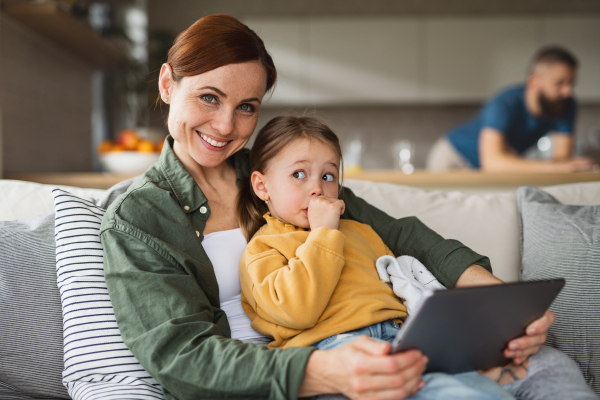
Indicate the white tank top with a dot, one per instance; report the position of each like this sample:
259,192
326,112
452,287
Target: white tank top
224,249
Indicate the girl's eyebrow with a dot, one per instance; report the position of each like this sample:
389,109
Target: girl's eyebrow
305,161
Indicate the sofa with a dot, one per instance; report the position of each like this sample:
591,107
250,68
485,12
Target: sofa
524,233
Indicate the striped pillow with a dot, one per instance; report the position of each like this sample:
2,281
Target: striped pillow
97,364
564,241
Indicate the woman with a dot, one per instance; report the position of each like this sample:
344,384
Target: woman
162,284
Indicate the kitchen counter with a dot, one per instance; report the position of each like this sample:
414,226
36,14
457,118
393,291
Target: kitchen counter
459,180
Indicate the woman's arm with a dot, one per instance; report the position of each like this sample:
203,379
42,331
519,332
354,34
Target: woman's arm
292,292
446,259
169,324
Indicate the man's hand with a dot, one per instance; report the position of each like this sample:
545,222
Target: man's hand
325,211
521,348
363,369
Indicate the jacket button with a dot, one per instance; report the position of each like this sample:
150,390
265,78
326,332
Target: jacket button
203,210
186,208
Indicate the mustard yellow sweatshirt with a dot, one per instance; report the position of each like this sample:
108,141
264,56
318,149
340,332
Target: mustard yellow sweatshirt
302,286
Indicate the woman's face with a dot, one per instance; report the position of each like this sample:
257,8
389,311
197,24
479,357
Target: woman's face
213,115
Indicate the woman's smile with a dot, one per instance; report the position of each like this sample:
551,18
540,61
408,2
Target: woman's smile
212,143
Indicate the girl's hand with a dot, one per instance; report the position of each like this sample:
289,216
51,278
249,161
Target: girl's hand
325,211
364,369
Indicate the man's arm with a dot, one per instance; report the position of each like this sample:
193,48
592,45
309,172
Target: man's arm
495,155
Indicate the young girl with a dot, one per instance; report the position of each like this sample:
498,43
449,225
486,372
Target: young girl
307,277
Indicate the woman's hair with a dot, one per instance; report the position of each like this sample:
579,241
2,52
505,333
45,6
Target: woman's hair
215,41
270,141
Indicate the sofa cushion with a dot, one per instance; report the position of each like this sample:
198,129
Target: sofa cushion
20,199
31,328
96,360
487,223
561,240
31,338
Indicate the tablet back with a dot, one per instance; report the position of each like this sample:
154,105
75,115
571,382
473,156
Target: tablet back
468,328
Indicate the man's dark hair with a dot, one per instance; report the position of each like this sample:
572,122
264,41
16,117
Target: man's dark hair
554,54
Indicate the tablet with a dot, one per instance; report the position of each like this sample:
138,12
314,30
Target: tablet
468,329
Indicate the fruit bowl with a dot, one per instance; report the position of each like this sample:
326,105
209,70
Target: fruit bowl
128,162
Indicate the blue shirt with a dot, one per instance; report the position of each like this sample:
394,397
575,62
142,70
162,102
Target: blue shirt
506,112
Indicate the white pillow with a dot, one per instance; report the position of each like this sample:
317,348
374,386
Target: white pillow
97,364
487,223
19,199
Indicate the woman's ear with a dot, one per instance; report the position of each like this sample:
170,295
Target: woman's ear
165,83
258,182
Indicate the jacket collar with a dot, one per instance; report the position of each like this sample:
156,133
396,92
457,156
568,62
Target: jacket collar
185,188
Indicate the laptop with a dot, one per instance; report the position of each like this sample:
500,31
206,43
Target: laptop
467,329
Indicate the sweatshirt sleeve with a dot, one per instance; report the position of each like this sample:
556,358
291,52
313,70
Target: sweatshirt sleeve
293,293
447,259
169,324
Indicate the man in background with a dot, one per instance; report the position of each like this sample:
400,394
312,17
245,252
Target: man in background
515,119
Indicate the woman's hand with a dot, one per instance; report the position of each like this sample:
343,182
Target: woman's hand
520,349
325,211
364,369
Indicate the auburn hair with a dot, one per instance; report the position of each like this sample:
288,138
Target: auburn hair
214,41
270,141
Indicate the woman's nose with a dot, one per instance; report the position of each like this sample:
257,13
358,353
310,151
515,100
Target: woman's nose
223,121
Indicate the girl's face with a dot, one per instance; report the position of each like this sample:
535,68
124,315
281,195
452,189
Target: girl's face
213,115
305,168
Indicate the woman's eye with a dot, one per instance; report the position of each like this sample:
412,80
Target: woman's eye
209,98
299,174
328,177
247,107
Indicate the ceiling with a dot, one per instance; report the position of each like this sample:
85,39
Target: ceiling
176,15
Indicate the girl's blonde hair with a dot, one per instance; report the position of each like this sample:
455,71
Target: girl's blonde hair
270,141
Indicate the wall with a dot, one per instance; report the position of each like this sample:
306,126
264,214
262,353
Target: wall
45,96
424,60
404,70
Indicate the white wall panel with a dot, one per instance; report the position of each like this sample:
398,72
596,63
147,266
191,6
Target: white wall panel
287,42
363,61
581,35
471,58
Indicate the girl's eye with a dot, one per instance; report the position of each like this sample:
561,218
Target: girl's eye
299,174
328,177
209,98
247,107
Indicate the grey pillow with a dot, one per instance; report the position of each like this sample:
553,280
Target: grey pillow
31,338
559,240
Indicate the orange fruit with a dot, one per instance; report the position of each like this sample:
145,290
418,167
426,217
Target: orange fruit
117,147
159,145
128,139
105,146
145,146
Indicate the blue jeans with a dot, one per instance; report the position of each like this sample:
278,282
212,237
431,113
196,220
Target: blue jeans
464,386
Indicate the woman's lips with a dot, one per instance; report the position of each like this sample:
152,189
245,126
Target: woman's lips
212,143
305,211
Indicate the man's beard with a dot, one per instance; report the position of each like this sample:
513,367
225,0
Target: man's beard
553,109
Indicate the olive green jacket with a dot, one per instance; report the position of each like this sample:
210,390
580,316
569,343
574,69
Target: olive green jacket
166,298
